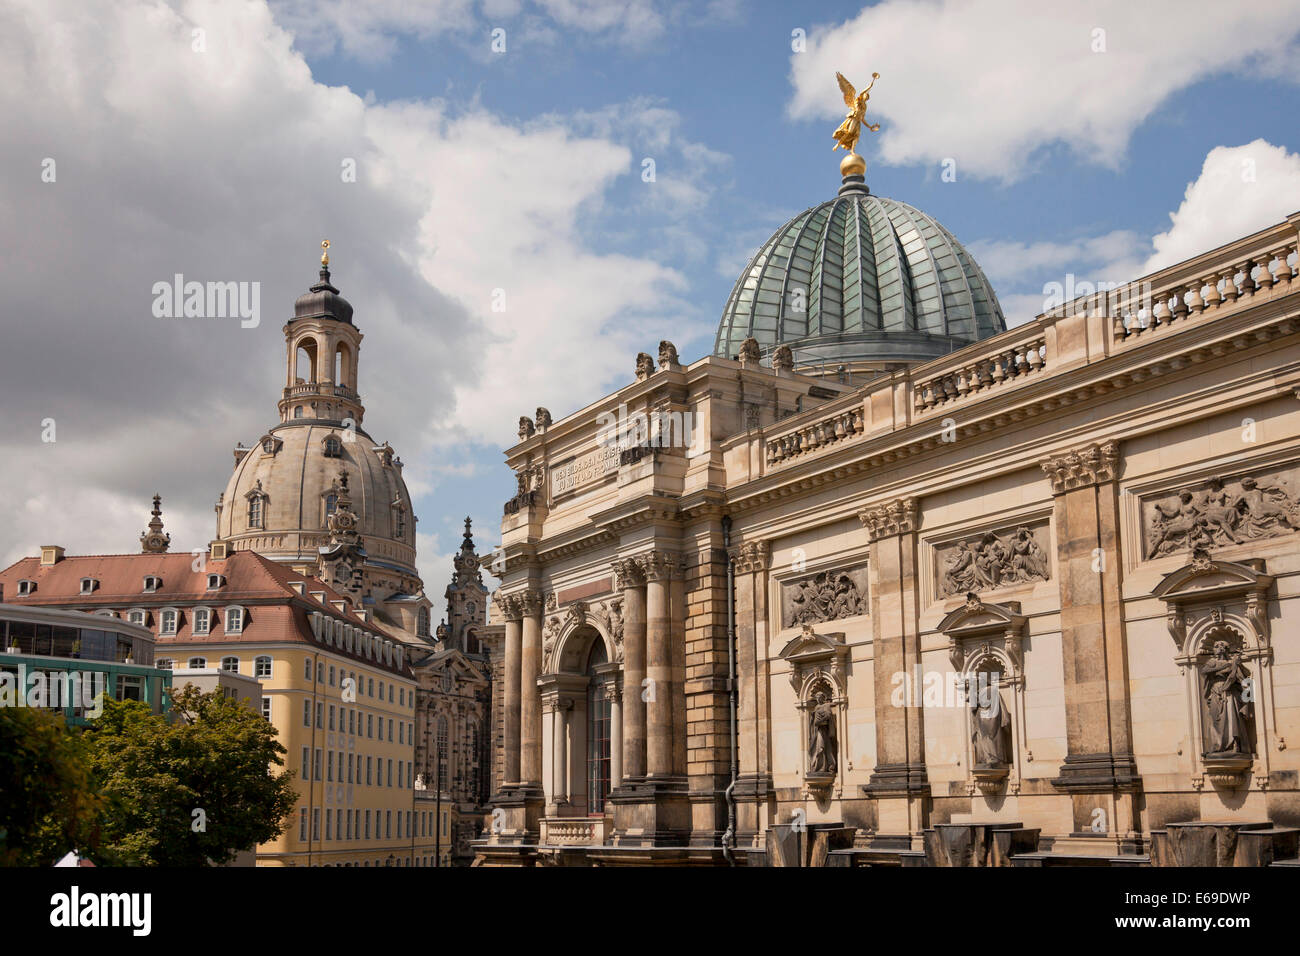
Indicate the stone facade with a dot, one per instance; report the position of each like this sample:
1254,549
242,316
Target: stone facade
946,596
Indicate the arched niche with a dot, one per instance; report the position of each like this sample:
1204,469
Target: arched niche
1217,612
819,676
985,645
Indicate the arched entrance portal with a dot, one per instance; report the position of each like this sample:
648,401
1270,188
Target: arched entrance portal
581,700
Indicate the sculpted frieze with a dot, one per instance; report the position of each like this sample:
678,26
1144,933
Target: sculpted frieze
993,559
825,596
1223,511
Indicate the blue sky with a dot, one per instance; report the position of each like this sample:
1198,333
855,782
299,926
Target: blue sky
1101,141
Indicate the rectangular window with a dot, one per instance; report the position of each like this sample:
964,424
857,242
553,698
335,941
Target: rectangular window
401,732
331,675
306,713
331,716
369,776
352,721
348,824
388,824
329,820
306,760
320,714
349,768
266,707
370,725
302,825
390,730
329,766
444,824
390,773
318,763
315,824
367,824
306,673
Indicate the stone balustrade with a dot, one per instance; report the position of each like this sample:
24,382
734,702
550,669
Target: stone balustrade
1149,306
840,425
1007,360
575,831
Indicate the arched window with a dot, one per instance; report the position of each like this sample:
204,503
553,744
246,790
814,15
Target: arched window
262,666
442,753
333,447
198,662
230,664
598,726
255,511
165,663
422,623
305,361
297,411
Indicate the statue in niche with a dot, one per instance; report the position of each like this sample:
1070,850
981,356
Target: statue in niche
1228,712
822,745
990,723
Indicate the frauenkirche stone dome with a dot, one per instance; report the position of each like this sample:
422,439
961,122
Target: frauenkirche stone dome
317,491
860,281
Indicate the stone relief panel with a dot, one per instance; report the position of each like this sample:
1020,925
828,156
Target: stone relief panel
1223,511
994,559
825,596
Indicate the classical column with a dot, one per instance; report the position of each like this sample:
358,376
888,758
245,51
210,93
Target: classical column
677,646
563,705
631,579
900,773
530,711
1089,564
512,610
754,784
660,567
615,697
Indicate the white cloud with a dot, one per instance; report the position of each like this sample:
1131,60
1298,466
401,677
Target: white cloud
1241,190
226,165
991,84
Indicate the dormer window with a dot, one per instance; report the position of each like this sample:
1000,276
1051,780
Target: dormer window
167,619
399,522
26,587
202,620
88,585
215,581
255,512
234,620
137,616
152,583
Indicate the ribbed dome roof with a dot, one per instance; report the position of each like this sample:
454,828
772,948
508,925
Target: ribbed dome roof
860,279
323,301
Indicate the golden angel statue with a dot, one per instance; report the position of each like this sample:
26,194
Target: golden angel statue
846,137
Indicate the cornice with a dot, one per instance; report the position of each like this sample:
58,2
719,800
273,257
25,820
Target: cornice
896,517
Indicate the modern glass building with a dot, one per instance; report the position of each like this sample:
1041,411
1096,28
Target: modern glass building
64,660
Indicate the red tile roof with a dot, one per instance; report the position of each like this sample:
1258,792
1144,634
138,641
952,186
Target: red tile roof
274,610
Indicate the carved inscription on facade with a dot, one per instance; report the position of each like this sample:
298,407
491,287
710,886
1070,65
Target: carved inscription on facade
994,559
584,469
827,596
1223,511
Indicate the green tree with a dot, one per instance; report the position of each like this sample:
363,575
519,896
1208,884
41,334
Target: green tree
191,791
48,803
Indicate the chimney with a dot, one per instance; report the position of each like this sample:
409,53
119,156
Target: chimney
51,554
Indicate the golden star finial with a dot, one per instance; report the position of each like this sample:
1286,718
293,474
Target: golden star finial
325,253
